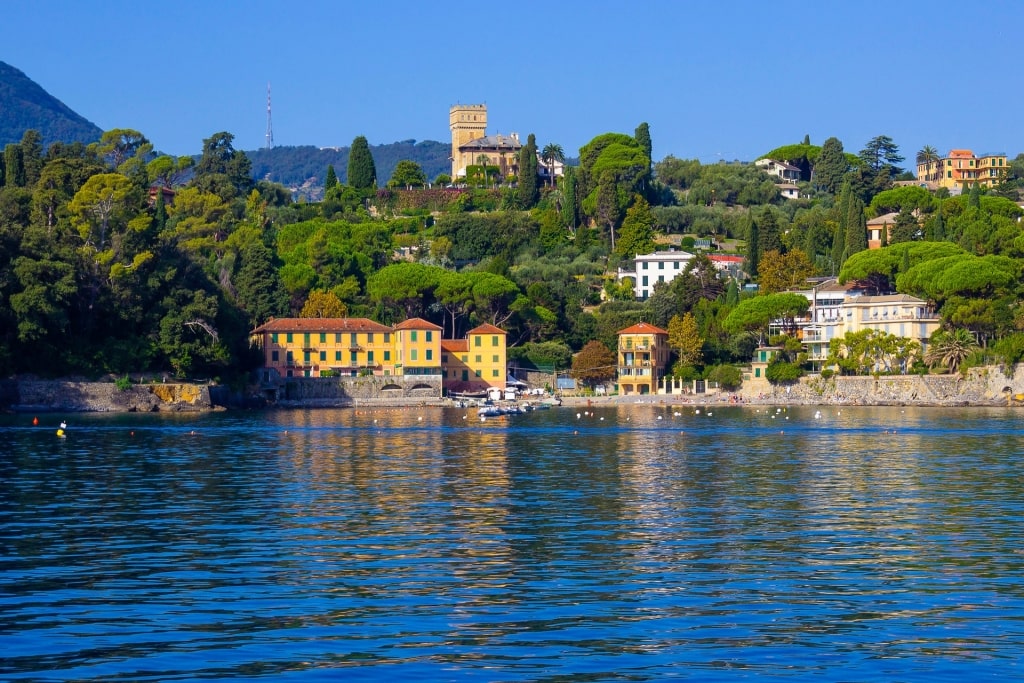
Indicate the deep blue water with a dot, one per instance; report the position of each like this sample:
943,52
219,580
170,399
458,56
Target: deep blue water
870,544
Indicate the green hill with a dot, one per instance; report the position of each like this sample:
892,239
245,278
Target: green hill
304,167
24,105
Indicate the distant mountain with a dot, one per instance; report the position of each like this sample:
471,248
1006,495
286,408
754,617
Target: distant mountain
24,105
303,168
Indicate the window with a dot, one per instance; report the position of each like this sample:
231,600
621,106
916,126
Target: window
273,337
323,355
369,357
465,359
305,340
352,339
661,265
369,337
676,265
494,340
337,338
412,355
661,278
412,336
477,373
444,358
430,335
430,354
494,373
289,374
387,355
288,338
645,265
305,357
949,174
478,358
323,337
645,281
476,340
289,358
337,356
353,357
494,358
273,356
387,337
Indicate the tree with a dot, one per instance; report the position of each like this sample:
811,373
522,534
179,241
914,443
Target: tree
551,153
831,166
950,348
754,314
323,304
779,272
14,169
362,174
753,253
929,157
118,145
637,233
258,288
769,235
684,337
905,228
166,171
100,205
527,188
222,169
31,156
331,180
594,364
407,174
881,154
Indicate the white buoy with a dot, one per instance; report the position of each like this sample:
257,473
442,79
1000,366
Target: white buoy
660,417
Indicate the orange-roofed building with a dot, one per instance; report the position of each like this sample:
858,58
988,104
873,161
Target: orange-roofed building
477,362
323,347
642,358
418,347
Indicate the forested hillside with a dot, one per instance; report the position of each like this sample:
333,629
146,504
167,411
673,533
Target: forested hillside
26,106
116,260
305,166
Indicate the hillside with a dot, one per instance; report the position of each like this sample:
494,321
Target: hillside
304,167
24,105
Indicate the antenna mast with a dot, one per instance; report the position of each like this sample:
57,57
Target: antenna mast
270,127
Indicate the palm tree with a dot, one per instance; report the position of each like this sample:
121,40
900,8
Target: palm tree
950,348
482,160
551,153
929,156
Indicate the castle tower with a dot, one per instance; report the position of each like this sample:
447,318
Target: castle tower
468,122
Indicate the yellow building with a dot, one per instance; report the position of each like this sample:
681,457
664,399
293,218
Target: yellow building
319,347
417,347
477,362
642,358
962,168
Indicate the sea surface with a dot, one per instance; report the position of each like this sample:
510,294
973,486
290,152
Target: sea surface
614,543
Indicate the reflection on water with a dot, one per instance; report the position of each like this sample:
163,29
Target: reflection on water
632,542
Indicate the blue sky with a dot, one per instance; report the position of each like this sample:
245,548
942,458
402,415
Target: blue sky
714,80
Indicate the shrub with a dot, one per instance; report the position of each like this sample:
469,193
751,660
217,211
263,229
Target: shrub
123,383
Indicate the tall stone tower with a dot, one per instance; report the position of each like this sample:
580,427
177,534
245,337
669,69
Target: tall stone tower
468,122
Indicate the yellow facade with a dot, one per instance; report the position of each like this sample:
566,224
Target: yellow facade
318,347
962,168
643,357
417,348
467,122
477,362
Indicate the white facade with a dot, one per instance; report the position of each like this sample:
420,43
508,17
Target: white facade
779,169
650,269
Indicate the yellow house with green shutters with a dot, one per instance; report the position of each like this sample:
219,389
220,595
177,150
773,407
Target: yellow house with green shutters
643,357
326,347
477,362
417,347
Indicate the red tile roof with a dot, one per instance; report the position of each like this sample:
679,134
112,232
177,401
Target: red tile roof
455,345
322,325
417,324
486,328
642,328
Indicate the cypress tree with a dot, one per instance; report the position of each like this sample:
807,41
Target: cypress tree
856,229
14,175
529,182
753,247
31,156
568,186
830,166
332,179
362,174
768,234
974,196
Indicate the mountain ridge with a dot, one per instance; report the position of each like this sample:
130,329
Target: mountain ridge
28,106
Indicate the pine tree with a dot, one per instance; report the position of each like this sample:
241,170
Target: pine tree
331,180
31,156
974,196
905,229
636,236
14,175
362,174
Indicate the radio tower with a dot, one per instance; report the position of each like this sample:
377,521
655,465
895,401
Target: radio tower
270,127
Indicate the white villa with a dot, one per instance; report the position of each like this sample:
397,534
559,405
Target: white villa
650,269
837,309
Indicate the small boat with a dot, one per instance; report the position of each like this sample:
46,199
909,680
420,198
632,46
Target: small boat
490,411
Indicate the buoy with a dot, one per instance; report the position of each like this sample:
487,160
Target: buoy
60,433
35,421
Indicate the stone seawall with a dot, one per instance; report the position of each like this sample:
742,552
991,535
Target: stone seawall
102,397
314,392
987,386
